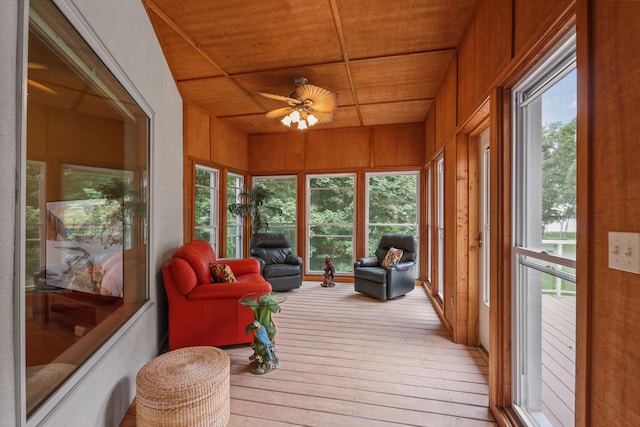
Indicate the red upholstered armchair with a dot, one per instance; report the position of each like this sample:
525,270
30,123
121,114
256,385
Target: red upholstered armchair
205,313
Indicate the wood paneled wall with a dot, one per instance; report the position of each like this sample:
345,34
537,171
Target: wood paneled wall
209,140
446,106
484,53
336,150
611,129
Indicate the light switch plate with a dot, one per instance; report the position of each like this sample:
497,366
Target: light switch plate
624,251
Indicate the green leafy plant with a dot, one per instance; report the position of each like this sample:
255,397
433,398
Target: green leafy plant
253,205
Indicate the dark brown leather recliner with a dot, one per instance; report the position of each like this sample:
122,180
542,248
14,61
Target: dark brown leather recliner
278,264
371,279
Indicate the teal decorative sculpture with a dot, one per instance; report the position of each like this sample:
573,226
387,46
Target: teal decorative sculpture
264,331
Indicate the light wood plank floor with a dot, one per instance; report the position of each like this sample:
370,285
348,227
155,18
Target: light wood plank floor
346,359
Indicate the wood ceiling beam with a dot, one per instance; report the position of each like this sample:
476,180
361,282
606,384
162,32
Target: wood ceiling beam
150,5
337,22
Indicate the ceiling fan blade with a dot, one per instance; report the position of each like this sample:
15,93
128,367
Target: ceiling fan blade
291,101
324,100
277,113
323,117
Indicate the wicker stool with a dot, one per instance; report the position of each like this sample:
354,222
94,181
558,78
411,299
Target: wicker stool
184,387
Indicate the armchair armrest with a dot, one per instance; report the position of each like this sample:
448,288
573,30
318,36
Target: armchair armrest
403,266
370,261
293,260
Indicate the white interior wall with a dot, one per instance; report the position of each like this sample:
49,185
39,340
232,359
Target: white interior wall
8,152
103,388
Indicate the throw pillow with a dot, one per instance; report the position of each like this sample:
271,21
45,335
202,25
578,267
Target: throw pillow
221,273
392,258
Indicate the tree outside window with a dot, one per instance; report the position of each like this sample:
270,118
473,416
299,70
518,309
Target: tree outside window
331,207
392,206
283,194
206,205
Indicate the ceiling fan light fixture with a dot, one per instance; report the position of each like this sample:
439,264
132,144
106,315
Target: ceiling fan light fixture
306,100
286,120
295,116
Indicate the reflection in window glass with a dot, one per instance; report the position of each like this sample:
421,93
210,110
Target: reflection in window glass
86,204
331,208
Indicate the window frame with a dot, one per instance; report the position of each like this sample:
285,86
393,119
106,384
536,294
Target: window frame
440,227
368,224
236,221
308,223
280,226
214,206
429,224
528,258
77,22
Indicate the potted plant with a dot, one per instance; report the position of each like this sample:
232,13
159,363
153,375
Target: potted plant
252,204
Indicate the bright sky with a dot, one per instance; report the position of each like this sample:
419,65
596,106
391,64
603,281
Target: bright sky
559,103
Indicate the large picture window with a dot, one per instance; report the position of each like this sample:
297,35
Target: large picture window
331,208
86,204
392,206
284,192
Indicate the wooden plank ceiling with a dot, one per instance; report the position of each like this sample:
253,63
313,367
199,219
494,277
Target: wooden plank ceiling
385,59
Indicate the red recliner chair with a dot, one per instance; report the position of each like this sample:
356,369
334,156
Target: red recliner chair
205,313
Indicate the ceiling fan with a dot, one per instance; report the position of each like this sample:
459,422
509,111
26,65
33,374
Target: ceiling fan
308,105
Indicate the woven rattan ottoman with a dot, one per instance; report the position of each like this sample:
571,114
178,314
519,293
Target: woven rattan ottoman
184,387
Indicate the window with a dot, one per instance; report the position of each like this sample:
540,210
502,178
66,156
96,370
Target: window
440,225
391,206
331,208
544,183
86,203
235,184
429,224
34,221
206,205
284,195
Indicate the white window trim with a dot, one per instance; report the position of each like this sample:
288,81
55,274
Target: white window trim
214,214
552,68
238,220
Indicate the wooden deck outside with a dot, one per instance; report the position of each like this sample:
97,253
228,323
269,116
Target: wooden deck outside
346,359
558,359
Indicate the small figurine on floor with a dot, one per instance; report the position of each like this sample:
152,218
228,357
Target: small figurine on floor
329,270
